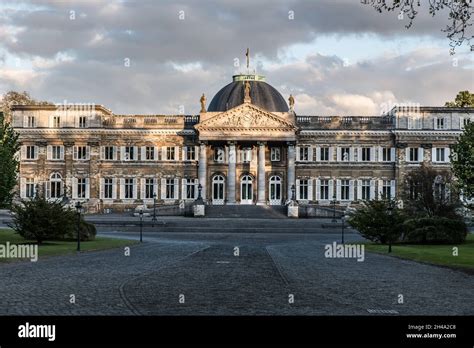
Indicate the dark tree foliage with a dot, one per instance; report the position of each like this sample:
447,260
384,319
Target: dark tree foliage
460,14
9,162
462,161
464,99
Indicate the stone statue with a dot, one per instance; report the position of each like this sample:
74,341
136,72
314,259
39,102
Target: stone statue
203,103
247,92
291,101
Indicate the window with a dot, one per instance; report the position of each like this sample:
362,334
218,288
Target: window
365,189
365,151
465,122
108,188
413,154
55,185
170,153
170,189
345,154
149,188
130,153
30,187
109,153
246,154
440,191
304,153
386,189
31,122
82,122
440,124
387,154
275,154
440,155
81,188
324,190
56,152
190,153
413,189
219,154
190,188
56,122
129,188
303,189
324,153
30,152
149,153
345,187
81,152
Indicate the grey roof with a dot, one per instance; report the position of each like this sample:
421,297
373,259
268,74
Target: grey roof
261,94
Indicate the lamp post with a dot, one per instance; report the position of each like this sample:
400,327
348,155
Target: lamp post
199,192
390,212
293,192
78,208
334,208
342,235
154,210
141,224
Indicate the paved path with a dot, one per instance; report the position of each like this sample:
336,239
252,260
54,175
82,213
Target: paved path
203,268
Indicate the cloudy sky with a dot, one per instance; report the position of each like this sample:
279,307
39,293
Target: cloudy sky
336,57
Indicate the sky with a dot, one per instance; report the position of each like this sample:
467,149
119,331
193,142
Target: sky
336,57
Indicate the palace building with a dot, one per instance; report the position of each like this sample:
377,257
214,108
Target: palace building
247,147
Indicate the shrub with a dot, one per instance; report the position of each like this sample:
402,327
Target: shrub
41,220
434,230
88,231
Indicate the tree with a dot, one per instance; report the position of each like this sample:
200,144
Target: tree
430,192
459,16
463,99
15,98
378,221
462,161
9,162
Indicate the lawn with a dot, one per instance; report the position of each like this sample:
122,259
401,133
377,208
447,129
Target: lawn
62,247
434,254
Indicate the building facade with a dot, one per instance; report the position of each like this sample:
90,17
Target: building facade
247,147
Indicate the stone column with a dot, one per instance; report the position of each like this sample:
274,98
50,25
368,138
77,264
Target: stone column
231,174
202,172
261,174
291,168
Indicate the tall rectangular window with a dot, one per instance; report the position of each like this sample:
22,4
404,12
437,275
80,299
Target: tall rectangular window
170,189
365,189
130,153
365,154
440,155
246,154
30,187
386,189
80,152
56,152
30,152
149,188
304,153
108,187
82,122
190,188
81,188
129,188
31,122
109,153
324,190
56,122
275,154
190,152
324,153
345,154
149,153
345,190
440,124
170,153
413,154
219,154
387,155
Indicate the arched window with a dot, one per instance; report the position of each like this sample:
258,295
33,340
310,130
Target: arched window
218,185
246,190
275,190
55,185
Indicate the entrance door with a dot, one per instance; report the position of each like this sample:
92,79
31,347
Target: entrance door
218,190
275,190
246,190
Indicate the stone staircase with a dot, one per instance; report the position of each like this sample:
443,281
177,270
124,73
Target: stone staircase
246,211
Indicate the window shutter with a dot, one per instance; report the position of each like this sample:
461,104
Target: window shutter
318,189
372,154
338,190
433,154
102,152
25,121
372,189
23,152
435,126
135,188
310,189
183,188
392,189
22,188
297,189
447,153
114,188
74,188
143,153
392,155
101,188
48,189
183,153
142,188
135,157
196,184
88,188
155,153
176,188
74,152
380,154
163,188
351,190
61,152
351,154
420,154
359,154
196,153
331,189
380,189
338,154
176,154
122,188
310,154
297,153
155,188
331,154
49,152
122,153
407,154
359,190
88,152
318,154
409,123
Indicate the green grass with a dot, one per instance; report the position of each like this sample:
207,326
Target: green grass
434,254
55,248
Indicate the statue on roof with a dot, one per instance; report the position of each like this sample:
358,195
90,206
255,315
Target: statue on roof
203,103
247,93
291,101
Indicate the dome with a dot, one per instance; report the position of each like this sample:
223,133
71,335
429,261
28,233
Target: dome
261,93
